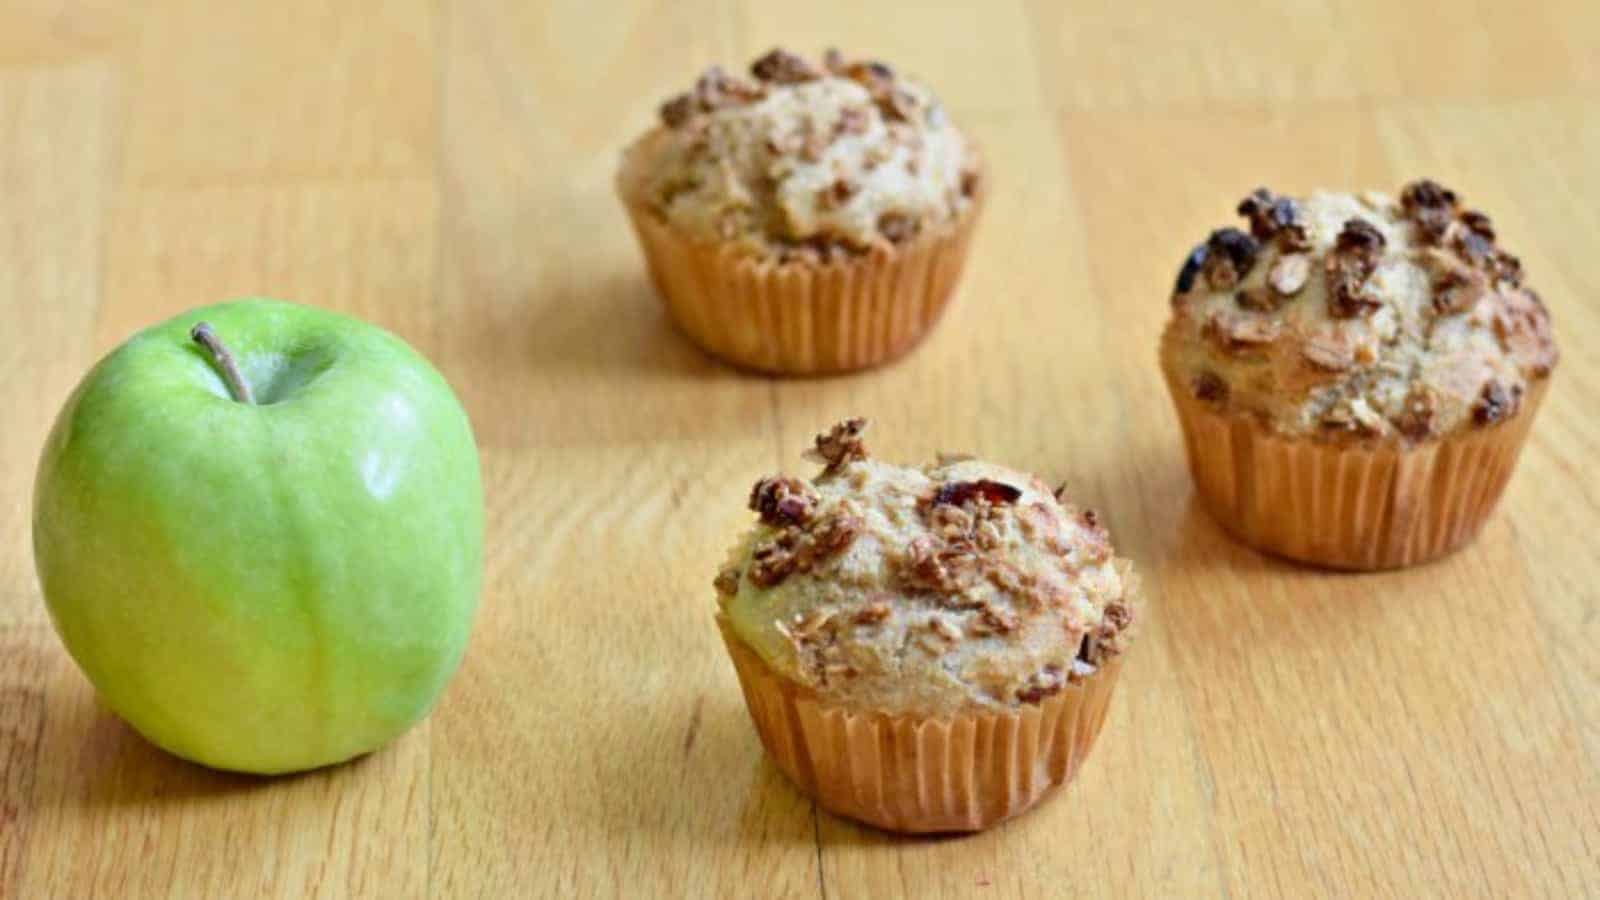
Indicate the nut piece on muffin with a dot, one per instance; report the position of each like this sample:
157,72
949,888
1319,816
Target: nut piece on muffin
1328,362
956,605
799,191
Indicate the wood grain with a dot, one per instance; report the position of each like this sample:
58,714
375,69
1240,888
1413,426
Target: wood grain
444,168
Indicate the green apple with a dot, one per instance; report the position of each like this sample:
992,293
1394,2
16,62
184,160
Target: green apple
261,537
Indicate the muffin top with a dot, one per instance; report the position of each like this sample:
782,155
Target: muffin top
954,587
804,161
1346,317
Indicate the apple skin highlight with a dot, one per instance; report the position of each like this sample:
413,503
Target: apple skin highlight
263,587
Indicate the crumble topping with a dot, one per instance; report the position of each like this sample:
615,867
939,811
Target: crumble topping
1210,388
1496,402
1229,256
1355,256
1191,268
955,585
1047,682
1431,205
800,548
806,161
1275,219
839,445
1288,275
783,501
780,66
713,90
1341,316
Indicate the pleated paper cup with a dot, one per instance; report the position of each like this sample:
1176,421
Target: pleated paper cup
1348,506
800,317
921,774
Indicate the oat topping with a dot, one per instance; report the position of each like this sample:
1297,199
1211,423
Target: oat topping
1288,275
1430,205
897,227
943,629
1230,254
1354,258
1047,682
840,445
1474,240
799,548
1258,298
1236,335
727,581
836,194
1210,388
1328,355
954,585
714,90
928,565
1351,418
1415,420
783,501
1118,616
1457,286
780,66
805,162
1497,402
874,613
1274,218
1343,316
993,620
969,183
678,110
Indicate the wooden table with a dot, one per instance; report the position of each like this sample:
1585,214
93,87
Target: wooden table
443,167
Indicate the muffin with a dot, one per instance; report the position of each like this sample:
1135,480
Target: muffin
1356,375
811,218
923,649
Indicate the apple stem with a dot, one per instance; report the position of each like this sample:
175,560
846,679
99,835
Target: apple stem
206,337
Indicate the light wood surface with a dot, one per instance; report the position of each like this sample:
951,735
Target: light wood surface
443,167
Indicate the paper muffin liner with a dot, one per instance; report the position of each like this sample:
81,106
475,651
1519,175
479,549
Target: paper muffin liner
919,774
1355,507
797,317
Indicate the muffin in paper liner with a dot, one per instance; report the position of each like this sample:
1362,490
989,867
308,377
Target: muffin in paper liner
924,648
915,774
1348,505
799,317
1356,375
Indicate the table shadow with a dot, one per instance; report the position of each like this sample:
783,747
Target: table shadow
600,366
698,779
116,767
615,325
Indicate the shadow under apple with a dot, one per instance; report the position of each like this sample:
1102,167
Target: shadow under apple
115,766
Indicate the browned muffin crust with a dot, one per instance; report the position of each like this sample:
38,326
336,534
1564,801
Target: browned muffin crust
804,160
1359,318
956,585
